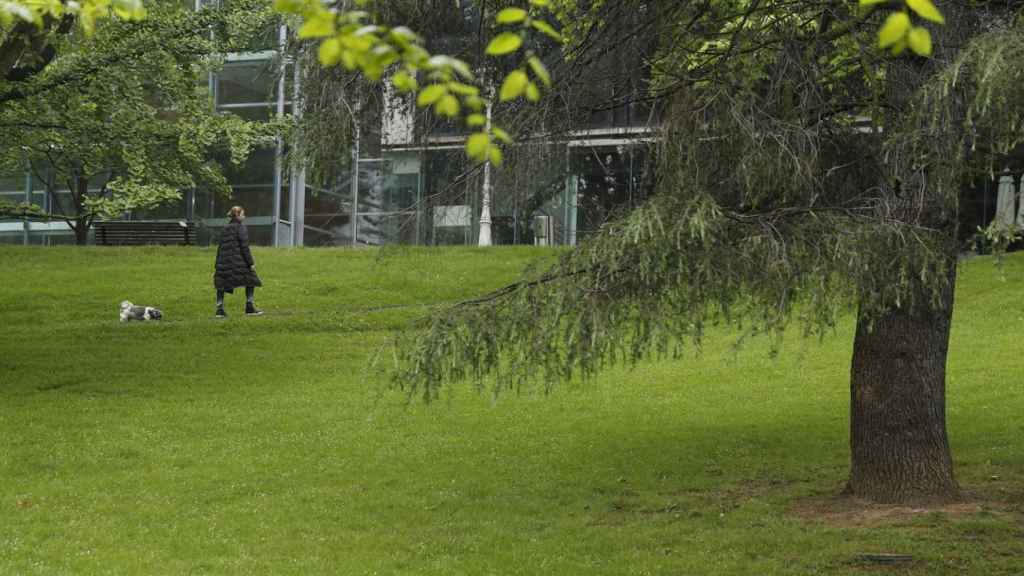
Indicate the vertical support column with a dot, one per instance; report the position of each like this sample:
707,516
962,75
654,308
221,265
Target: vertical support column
28,200
355,177
282,39
485,196
297,191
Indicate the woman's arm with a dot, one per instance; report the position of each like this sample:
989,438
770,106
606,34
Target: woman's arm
243,245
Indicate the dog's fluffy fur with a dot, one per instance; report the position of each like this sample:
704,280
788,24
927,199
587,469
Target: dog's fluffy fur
130,311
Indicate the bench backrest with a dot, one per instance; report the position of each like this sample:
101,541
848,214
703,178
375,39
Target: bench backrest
141,232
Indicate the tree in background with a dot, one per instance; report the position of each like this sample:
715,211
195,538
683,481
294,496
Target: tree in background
120,120
803,173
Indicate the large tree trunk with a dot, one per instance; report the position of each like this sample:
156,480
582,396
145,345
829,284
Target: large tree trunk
898,444
82,231
83,222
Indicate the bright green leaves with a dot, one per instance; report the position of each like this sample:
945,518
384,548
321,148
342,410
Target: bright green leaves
898,31
925,9
444,97
518,82
894,30
404,82
125,9
514,85
431,94
547,29
318,25
501,135
532,92
511,16
448,106
504,43
539,70
87,11
482,148
920,41
348,38
477,146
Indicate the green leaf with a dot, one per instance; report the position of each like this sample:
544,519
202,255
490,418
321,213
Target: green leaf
871,2
448,106
925,9
514,85
920,41
462,69
894,29
511,16
431,94
318,25
504,43
501,135
476,120
539,3
547,29
494,156
404,81
330,52
477,145
532,92
539,70
463,89
289,6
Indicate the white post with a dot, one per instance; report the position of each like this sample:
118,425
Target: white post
282,40
485,210
297,192
1020,209
355,179
27,224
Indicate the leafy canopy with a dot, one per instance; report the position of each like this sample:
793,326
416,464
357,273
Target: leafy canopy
87,12
351,39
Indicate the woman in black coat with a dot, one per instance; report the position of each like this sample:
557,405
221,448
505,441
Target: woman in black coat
235,266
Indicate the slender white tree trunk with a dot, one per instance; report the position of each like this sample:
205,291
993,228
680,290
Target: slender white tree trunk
485,210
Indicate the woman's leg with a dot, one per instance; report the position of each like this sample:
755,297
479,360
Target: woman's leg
250,307
220,304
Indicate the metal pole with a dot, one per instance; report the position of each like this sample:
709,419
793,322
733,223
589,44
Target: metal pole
28,200
282,39
297,197
485,200
355,178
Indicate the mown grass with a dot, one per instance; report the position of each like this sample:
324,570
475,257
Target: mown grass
265,446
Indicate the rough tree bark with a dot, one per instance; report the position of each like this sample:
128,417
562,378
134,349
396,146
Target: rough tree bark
898,443
83,222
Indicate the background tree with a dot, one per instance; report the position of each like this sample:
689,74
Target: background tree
803,173
120,120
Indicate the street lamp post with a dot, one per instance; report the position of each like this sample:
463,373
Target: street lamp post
485,238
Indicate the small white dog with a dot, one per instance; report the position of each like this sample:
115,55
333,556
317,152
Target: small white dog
131,312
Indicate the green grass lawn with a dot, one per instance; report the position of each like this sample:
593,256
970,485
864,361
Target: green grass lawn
270,446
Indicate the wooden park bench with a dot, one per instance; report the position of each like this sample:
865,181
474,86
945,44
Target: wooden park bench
142,232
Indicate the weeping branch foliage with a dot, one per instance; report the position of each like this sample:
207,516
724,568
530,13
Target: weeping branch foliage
770,211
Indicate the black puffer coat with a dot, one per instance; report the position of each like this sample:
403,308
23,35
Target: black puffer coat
234,260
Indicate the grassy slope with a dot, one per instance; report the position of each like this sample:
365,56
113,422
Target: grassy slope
260,445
